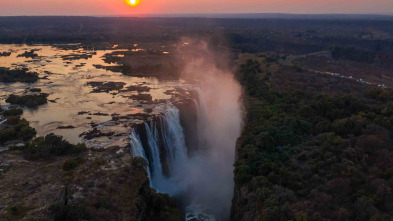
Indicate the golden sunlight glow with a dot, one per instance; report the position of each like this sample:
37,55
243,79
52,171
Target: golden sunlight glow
133,2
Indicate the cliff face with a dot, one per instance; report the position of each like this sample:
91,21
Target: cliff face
153,206
244,206
189,117
107,185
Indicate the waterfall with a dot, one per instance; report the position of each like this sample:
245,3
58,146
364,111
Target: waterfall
154,159
137,149
3,121
204,179
163,146
198,170
136,145
173,137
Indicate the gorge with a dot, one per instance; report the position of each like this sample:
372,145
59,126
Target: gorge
270,117
202,172
185,128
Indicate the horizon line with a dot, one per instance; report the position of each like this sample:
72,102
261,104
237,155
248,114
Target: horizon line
215,15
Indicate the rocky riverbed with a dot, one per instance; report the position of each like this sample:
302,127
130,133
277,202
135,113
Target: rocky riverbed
71,96
86,103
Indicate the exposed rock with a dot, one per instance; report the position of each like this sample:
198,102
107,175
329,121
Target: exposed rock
29,54
95,133
65,127
148,110
108,185
83,112
100,87
35,90
142,97
139,88
188,118
5,54
85,55
99,114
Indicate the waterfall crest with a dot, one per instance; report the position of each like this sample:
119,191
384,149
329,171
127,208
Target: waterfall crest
162,146
137,149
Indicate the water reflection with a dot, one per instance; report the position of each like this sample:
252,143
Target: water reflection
65,80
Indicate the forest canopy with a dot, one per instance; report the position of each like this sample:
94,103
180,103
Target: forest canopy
313,156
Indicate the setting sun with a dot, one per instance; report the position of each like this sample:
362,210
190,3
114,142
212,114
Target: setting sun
133,2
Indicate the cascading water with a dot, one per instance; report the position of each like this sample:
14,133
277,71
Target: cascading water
166,133
3,121
136,145
173,137
202,176
165,146
154,158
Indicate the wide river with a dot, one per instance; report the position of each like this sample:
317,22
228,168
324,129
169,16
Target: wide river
66,80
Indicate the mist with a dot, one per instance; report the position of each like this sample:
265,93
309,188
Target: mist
207,176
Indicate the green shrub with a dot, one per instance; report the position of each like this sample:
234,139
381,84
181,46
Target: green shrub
72,164
51,145
377,93
18,211
13,112
6,134
14,211
332,154
28,100
17,129
18,75
164,208
13,120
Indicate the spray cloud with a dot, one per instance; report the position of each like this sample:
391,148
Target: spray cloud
208,174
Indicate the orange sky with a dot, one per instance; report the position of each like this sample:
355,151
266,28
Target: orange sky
118,7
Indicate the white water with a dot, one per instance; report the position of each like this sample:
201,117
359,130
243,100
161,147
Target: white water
3,121
205,178
155,161
173,137
172,140
219,125
138,151
194,211
184,176
136,144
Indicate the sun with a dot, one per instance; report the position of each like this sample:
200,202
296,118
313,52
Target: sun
133,3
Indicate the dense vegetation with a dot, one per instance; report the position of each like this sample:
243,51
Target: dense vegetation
18,75
125,195
31,101
312,156
353,54
51,145
15,128
293,34
71,164
304,154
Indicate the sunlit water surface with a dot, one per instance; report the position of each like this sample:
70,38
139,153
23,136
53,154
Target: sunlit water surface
66,83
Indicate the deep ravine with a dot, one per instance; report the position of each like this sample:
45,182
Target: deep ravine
191,151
